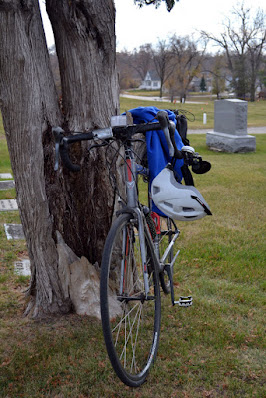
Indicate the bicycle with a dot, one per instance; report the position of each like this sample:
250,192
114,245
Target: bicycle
136,261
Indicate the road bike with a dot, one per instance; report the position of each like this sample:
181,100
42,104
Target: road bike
138,256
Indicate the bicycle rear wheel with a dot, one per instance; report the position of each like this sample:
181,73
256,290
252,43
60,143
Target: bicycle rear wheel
131,321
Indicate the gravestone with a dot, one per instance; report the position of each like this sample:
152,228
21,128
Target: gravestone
8,205
22,267
230,127
5,185
5,176
14,231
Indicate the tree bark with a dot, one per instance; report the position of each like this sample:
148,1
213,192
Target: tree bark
28,104
85,44
78,206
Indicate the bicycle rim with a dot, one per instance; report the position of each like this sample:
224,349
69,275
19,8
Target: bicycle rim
131,322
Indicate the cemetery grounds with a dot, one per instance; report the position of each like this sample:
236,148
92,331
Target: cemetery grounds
216,348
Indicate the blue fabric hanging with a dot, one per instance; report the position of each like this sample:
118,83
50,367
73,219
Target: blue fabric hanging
157,148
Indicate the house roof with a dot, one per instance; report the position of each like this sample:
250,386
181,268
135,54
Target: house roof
153,75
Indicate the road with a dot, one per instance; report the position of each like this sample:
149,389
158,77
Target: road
158,99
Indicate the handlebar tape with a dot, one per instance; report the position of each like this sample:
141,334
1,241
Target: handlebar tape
64,149
65,157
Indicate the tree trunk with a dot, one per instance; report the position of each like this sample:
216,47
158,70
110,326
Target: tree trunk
78,206
28,103
85,44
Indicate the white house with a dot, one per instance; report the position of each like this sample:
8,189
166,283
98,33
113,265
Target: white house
151,81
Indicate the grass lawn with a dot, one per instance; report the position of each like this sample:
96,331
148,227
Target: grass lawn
216,348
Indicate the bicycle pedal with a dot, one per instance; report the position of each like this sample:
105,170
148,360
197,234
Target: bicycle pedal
185,301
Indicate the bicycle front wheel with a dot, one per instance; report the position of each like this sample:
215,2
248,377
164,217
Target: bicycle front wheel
130,319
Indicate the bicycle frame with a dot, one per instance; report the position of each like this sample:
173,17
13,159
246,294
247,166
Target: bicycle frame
133,206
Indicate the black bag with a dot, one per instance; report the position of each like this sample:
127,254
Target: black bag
181,126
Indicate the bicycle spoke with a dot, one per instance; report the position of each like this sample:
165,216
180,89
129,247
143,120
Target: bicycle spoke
123,319
129,335
135,343
130,331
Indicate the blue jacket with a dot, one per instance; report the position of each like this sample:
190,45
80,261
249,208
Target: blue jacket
157,148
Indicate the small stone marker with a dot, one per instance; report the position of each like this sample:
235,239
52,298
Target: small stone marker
14,231
22,267
4,176
230,127
5,185
8,205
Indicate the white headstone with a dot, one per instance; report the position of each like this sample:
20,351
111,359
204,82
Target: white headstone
8,205
14,231
22,267
4,176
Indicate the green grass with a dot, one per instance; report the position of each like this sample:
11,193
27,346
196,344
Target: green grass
197,110
4,157
256,110
143,93
216,348
5,165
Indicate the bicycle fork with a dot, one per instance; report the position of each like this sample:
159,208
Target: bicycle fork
132,204
127,242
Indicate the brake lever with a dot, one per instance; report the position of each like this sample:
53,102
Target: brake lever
172,128
162,116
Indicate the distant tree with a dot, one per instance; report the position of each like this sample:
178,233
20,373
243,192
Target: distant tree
218,75
172,85
141,60
162,58
186,60
203,84
243,40
126,72
262,74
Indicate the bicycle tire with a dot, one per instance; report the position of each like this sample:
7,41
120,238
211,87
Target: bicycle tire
130,322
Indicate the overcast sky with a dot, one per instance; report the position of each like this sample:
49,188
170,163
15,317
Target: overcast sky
136,26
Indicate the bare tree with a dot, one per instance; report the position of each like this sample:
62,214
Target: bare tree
186,60
215,65
141,60
162,58
262,74
126,71
133,67
243,40
219,75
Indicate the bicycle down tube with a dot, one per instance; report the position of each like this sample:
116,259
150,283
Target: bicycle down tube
132,203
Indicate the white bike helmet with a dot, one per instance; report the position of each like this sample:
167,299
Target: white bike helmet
180,202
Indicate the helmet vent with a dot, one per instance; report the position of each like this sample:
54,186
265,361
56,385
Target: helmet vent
168,204
188,209
155,190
